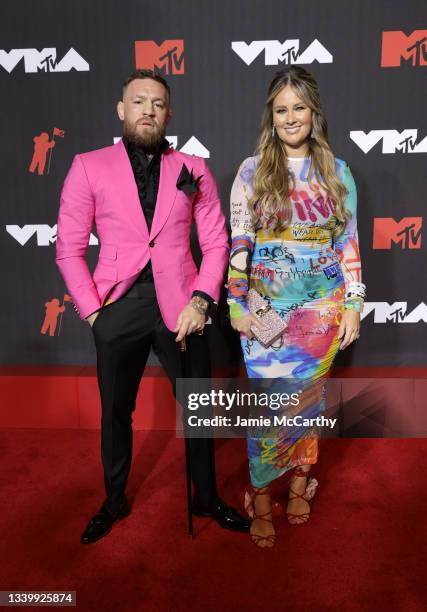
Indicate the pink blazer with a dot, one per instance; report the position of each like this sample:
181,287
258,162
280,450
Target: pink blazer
100,188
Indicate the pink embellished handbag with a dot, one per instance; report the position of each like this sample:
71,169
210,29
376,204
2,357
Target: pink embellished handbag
274,325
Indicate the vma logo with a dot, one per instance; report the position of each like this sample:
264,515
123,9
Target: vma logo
42,61
393,141
406,232
193,146
395,313
167,57
397,47
276,52
45,234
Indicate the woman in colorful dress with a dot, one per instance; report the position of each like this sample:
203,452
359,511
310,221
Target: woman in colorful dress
294,240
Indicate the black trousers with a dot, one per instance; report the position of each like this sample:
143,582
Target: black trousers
124,332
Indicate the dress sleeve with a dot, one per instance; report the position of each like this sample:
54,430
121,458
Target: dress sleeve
242,240
347,244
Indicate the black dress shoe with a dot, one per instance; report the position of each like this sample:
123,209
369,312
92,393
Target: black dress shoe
100,525
226,516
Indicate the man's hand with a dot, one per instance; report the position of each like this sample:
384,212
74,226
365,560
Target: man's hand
189,321
349,328
244,324
91,318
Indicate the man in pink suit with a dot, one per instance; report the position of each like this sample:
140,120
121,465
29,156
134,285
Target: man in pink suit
146,290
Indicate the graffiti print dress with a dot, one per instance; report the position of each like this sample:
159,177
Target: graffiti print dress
303,272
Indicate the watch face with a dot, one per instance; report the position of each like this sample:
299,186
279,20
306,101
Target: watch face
199,304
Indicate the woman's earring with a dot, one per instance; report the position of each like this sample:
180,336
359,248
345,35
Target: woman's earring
272,131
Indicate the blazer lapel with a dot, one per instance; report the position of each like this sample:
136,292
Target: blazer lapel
166,194
129,189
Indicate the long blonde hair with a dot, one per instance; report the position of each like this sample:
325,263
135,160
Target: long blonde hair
270,205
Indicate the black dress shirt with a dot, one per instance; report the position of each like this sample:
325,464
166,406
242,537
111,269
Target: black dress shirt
145,164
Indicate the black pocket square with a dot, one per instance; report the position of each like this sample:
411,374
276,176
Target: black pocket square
186,181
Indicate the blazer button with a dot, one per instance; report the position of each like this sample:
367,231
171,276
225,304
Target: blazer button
151,244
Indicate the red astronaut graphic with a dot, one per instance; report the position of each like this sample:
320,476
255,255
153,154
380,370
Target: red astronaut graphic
42,145
53,309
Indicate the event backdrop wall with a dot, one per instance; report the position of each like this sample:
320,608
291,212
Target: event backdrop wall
61,67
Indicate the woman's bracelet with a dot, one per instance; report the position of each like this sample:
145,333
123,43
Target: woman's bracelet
354,303
356,289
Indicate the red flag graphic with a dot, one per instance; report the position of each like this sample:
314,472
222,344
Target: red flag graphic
58,132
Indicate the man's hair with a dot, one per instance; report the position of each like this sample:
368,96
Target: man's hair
146,74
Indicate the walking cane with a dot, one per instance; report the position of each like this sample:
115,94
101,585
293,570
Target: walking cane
186,373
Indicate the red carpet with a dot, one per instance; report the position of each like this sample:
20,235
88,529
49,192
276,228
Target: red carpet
363,548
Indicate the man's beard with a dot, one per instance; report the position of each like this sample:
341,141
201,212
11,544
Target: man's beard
149,139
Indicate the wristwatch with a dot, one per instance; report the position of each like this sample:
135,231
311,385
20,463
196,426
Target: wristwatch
199,304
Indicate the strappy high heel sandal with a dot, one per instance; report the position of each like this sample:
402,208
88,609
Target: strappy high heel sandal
310,490
250,509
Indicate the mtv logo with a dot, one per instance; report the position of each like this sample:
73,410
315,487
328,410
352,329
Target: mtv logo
406,232
393,141
396,46
168,57
42,61
193,146
287,52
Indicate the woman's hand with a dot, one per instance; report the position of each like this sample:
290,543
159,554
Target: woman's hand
349,328
244,324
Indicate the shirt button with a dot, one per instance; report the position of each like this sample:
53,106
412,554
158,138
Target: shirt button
151,244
